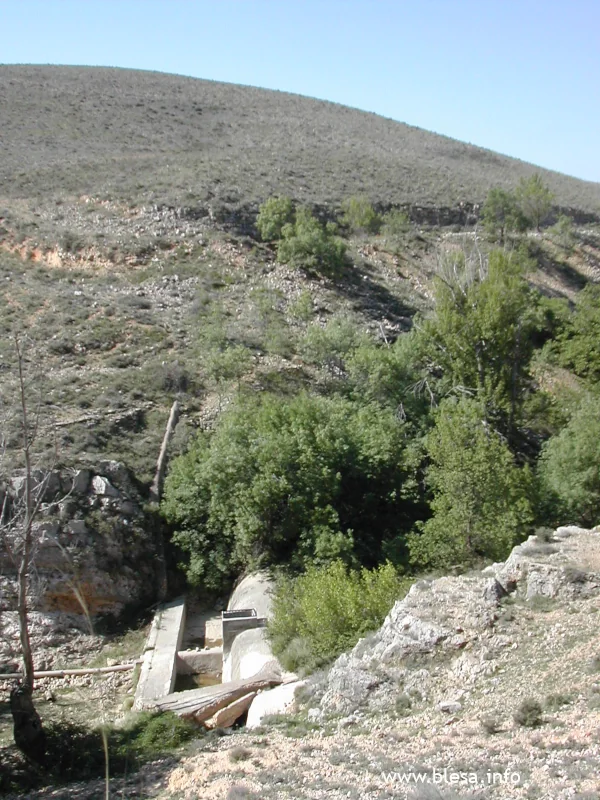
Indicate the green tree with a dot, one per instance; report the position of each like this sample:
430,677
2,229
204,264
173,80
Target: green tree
278,481
534,199
480,502
479,337
360,216
501,213
273,215
578,344
308,244
569,466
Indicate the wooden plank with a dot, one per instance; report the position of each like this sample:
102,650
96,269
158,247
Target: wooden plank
202,703
62,673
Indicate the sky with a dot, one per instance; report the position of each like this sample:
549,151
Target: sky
521,78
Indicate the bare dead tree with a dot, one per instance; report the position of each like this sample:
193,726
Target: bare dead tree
20,509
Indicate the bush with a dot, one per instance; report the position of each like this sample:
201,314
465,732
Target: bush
76,752
325,611
331,345
273,215
529,714
360,216
308,244
396,223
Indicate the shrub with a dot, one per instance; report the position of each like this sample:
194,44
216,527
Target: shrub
308,244
534,199
76,752
330,346
554,702
273,215
360,216
490,724
403,705
529,714
501,213
579,342
327,609
395,223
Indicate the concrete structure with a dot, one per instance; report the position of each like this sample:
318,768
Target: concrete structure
246,649
159,665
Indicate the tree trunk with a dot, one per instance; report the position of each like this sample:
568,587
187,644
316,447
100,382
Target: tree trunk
27,726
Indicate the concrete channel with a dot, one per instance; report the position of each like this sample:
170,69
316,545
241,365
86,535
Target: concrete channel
223,650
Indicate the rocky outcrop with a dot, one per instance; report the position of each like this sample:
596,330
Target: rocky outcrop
454,620
95,555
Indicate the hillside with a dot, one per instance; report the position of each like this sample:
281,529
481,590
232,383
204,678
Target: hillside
148,137
133,274
124,298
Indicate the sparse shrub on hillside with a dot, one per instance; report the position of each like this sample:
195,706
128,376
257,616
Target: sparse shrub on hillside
529,714
327,609
302,308
360,216
396,223
309,244
569,466
227,364
331,345
563,232
273,215
480,499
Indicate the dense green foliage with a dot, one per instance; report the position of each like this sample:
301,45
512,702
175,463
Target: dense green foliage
309,244
480,498
327,609
273,214
578,344
570,466
480,336
298,481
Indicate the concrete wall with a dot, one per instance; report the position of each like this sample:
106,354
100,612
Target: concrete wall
249,650
254,591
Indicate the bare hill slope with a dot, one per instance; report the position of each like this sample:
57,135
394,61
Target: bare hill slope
144,135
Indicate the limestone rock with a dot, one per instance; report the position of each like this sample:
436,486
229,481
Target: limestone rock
280,700
103,487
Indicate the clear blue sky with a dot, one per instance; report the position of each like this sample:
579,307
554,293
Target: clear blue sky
520,77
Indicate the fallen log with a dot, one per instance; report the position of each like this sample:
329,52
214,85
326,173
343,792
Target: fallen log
201,704
63,673
226,717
